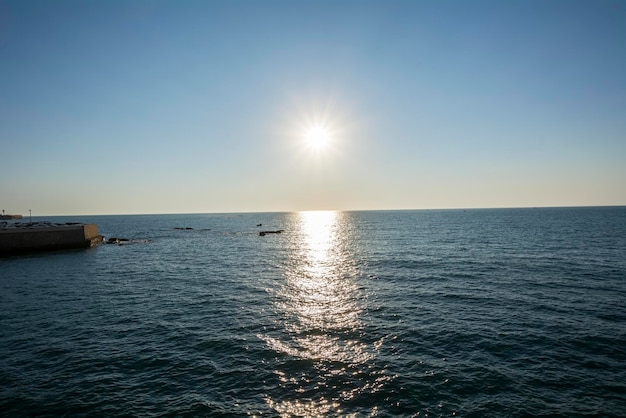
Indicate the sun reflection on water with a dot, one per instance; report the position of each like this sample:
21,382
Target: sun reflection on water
320,290
320,304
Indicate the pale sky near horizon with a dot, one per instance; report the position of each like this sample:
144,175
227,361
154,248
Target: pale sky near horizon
201,106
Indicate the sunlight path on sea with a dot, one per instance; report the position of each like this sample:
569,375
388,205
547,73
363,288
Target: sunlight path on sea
320,304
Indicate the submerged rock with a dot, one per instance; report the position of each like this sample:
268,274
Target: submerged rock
278,231
122,241
115,240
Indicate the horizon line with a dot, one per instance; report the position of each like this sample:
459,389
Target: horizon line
331,210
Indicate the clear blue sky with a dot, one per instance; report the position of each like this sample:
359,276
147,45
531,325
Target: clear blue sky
200,106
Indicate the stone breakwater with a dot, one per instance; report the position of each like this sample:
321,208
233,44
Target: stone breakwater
16,238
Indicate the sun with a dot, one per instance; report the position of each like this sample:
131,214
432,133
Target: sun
317,137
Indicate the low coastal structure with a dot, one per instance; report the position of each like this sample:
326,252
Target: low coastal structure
6,216
18,237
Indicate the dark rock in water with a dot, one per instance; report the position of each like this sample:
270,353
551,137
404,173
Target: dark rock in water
278,231
259,224
115,240
122,241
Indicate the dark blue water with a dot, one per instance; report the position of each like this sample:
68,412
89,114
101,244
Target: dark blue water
510,312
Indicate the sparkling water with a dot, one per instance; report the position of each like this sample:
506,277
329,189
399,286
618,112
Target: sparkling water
504,312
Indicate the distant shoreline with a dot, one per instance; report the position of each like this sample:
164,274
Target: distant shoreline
339,210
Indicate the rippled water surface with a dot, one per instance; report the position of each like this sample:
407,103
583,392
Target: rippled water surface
510,312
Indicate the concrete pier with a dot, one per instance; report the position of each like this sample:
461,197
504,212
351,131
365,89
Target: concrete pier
4,217
23,238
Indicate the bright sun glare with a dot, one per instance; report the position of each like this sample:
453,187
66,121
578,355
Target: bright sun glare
317,137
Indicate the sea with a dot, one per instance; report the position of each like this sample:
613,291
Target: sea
426,313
